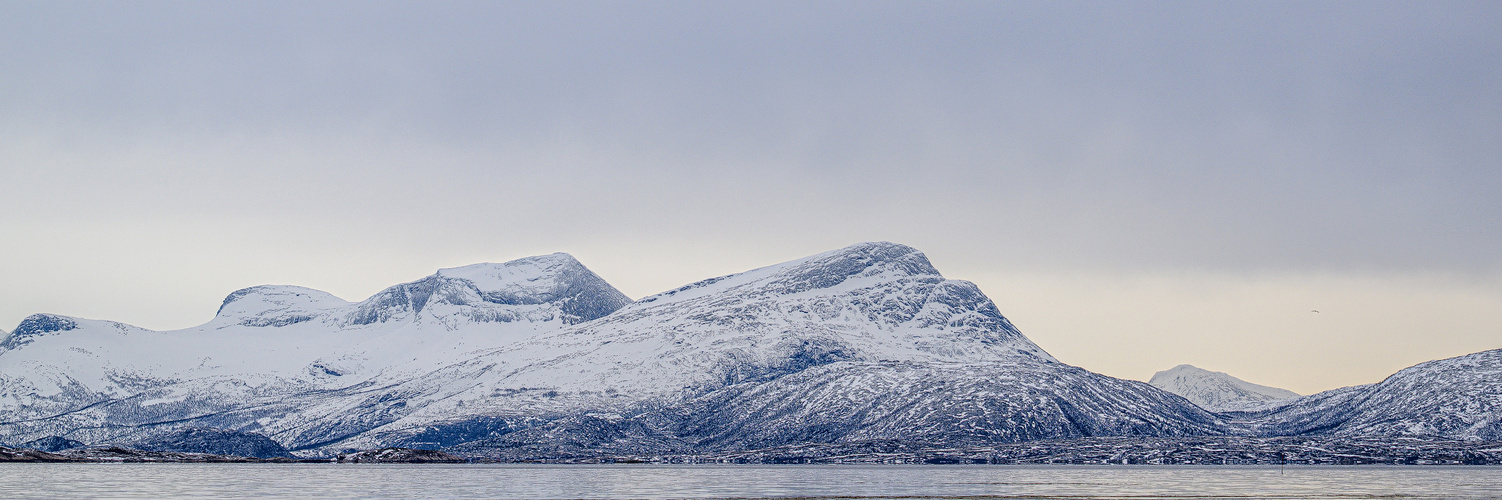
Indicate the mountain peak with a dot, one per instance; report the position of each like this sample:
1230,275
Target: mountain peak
824,270
540,274
276,305
861,259
37,325
557,279
869,302
879,253
1215,391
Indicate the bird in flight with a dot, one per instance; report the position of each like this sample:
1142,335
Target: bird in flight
1314,310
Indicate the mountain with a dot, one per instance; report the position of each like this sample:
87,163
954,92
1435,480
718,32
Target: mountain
272,348
1455,398
860,343
540,357
1216,391
1458,398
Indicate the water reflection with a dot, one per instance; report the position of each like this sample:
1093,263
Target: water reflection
741,481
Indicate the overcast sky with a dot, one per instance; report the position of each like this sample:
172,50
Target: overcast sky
1137,185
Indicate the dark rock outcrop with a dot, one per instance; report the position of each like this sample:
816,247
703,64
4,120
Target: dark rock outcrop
576,437
27,455
34,326
123,454
400,455
52,444
1217,450
215,442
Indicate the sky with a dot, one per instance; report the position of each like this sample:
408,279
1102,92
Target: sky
1136,184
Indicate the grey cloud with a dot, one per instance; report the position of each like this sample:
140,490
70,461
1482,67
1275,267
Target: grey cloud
1298,135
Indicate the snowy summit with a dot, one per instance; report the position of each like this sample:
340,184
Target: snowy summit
1216,391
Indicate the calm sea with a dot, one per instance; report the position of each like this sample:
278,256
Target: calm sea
741,481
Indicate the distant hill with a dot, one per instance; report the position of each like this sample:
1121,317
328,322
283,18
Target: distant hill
1216,391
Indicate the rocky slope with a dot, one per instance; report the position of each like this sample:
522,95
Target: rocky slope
1455,398
399,455
51,444
215,442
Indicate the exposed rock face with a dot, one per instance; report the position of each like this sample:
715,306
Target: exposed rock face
215,442
122,454
35,326
400,455
30,455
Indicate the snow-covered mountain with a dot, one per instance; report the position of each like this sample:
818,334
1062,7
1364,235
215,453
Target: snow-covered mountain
272,346
1458,398
541,357
1217,391
865,342
1455,398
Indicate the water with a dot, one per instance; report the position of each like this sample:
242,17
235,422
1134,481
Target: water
741,481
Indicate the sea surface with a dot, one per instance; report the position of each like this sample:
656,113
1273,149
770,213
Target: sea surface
29,480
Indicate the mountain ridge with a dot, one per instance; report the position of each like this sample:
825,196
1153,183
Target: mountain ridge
540,355
1452,398
289,345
